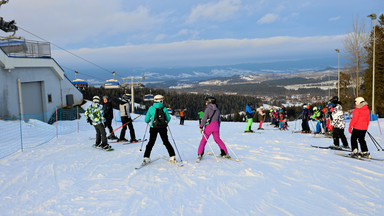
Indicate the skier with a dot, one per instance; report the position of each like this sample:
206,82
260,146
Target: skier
261,116
304,118
158,117
317,117
210,124
338,124
249,111
108,115
182,117
358,128
95,116
126,120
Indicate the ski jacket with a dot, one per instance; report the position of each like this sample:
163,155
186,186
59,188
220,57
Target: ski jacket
181,113
124,110
360,118
249,111
305,115
212,113
95,113
108,110
338,120
316,115
152,111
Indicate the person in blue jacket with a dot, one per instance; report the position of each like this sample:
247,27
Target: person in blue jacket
249,112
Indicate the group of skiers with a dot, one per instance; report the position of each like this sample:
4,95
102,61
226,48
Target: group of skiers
331,120
157,117
279,118
328,120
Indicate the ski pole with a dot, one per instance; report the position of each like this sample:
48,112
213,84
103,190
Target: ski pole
142,142
125,124
210,147
181,160
375,142
237,158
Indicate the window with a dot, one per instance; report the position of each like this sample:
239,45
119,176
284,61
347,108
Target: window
49,98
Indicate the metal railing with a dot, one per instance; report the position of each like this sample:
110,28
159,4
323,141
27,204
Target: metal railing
25,48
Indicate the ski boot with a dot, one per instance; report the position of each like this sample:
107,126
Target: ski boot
146,161
365,155
355,154
172,160
106,147
112,136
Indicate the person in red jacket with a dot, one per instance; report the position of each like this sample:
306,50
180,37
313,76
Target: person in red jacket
358,128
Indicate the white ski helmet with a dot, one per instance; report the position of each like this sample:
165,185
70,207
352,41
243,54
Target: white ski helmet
158,98
314,108
359,100
96,99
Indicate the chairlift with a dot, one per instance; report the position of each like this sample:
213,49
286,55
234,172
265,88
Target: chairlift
79,83
112,83
149,97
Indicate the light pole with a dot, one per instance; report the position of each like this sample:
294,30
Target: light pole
373,17
338,73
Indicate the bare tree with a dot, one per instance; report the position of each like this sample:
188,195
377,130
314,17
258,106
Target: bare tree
354,46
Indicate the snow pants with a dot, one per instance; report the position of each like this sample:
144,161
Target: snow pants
260,124
101,135
338,133
249,125
108,124
152,139
304,125
318,126
214,129
125,119
359,135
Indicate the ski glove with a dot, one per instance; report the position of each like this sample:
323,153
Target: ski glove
89,121
350,130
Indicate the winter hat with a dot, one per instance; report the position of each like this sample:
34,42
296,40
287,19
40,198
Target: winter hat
105,96
96,99
158,98
359,100
314,108
210,100
126,97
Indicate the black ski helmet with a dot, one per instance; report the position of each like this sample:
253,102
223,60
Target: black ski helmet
210,100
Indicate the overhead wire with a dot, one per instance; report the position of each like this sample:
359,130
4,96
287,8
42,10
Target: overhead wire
86,60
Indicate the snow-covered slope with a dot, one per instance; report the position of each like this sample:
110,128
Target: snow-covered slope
279,174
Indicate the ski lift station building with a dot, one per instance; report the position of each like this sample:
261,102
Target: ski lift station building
31,82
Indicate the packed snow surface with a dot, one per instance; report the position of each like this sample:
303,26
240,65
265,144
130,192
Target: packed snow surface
279,174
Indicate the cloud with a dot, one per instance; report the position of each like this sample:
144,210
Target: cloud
334,18
205,52
219,11
71,21
268,18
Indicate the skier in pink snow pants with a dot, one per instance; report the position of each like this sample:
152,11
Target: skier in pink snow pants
211,121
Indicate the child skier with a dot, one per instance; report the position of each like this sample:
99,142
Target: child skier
317,117
210,124
358,128
158,117
261,116
95,116
108,115
338,124
305,117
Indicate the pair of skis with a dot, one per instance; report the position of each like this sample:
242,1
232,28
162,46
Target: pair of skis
357,158
219,156
179,164
129,142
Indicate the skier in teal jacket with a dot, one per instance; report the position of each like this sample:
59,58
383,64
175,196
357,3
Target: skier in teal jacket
158,125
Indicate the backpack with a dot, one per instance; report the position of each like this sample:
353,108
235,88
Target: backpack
160,121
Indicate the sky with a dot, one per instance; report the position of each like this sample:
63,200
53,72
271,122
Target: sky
173,33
